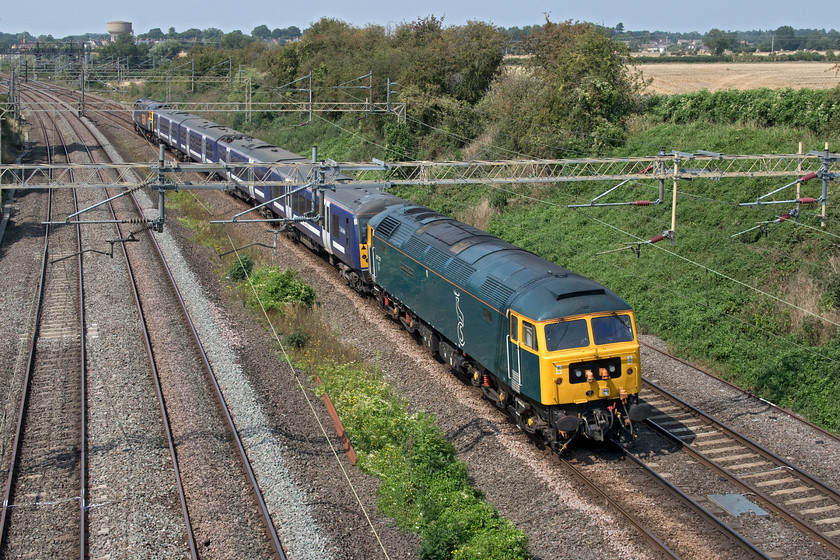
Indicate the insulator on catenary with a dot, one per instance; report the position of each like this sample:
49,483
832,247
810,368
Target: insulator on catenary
807,177
656,238
784,217
645,170
642,203
806,200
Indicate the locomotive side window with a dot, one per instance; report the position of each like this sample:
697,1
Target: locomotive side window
566,334
514,328
529,335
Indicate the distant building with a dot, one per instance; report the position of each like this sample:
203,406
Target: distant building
117,28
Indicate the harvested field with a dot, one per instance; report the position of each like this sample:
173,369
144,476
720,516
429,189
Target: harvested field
671,78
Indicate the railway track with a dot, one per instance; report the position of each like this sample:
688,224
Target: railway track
806,502
44,502
156,349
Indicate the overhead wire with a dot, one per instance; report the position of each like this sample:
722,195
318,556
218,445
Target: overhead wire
722,275
807,349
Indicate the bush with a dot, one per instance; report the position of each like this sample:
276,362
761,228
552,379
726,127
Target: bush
274,289
297,339
813,110
241,268
424,487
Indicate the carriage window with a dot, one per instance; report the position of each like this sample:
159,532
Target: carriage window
195,142
529,335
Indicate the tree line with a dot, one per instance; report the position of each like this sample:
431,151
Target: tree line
784,38
573,95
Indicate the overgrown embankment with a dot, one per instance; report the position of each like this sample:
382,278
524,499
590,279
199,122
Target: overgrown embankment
424,488
10,144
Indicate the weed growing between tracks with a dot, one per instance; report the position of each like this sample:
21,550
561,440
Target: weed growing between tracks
424,487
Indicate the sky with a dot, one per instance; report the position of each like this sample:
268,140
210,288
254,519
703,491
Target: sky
61,18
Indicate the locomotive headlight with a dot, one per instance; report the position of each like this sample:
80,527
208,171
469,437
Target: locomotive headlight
578,373
629,371
612,368
605,392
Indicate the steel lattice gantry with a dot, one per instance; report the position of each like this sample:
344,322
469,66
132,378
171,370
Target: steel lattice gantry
662,167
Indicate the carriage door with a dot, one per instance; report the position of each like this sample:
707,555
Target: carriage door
326,220
514,357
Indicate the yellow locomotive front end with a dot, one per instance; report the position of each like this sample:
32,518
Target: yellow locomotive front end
590,358
589,373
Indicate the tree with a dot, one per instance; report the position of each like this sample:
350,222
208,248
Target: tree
192,34
581,88
168,49
124,48
786,39
261,32
234,40
719,41
212,34
284,35
475,53
155,33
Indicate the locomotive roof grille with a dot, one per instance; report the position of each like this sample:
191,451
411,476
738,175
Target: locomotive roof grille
494,292
388,226
459,271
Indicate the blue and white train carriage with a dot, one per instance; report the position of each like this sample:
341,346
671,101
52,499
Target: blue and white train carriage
346,212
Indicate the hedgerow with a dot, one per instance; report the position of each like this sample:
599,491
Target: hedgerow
814,110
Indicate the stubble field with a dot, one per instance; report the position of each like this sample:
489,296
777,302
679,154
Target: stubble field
672,78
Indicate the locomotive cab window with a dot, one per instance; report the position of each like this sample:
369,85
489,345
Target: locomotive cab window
514,328
529,335
612,328
566,334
